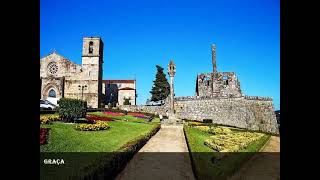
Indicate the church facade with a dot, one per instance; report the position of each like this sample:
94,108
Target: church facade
60,77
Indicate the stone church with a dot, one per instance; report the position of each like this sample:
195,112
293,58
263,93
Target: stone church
60,77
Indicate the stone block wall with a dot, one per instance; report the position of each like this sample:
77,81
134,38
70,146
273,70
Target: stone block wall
253,113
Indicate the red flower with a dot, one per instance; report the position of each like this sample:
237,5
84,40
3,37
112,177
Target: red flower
43,135
97,118
113,113
136,114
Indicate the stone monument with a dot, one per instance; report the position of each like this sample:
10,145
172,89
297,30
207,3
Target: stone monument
171,113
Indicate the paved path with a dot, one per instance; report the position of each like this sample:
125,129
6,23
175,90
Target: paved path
264,165
165,156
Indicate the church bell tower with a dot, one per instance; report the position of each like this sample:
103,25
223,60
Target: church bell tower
92,61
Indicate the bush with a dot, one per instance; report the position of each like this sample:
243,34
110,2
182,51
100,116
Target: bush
71,109
99,125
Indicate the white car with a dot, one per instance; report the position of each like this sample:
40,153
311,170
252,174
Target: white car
44,104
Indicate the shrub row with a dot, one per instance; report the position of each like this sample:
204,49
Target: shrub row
99,125
72,109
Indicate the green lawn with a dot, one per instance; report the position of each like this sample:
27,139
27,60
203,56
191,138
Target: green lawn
94,148
64,138
202,155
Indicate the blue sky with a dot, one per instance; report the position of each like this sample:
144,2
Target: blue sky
139,34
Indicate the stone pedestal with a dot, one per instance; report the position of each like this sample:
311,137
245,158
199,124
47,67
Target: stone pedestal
172,120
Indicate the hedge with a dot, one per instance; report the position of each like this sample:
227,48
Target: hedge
72,109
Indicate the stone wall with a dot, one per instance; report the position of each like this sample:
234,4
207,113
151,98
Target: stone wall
250,112
218,84
142,108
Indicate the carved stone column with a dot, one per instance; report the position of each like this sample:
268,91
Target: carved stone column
171,72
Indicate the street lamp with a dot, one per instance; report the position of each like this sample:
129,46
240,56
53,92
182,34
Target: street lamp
82,88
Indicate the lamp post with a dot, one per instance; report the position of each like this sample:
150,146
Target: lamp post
82,88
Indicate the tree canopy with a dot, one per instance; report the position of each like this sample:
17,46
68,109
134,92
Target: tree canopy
161,88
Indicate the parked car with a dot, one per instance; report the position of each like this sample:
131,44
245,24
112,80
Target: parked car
44,104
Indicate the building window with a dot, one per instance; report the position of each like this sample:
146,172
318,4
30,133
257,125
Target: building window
52,93
225,80
207,80
90,47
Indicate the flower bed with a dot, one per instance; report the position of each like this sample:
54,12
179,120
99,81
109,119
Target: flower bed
43,135
113,113
232,142
98,118
219,130
48,118
140,115
99,125
195,123
203,128
136,114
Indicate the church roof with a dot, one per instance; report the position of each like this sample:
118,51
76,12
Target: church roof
54,53
126,88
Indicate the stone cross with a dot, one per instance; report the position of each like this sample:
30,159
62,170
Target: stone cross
214,63
171,72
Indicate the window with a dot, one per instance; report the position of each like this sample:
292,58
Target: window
207,80
90,47
52,93
225,80
52,68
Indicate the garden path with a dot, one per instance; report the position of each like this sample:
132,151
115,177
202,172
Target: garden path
264,165
165,156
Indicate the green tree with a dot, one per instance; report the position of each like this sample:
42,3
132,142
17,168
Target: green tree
161,88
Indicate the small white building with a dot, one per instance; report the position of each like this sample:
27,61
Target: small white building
117,91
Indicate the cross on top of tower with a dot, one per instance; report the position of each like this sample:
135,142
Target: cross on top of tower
53,51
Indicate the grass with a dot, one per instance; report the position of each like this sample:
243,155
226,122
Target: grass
64,138
95,149
202,155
